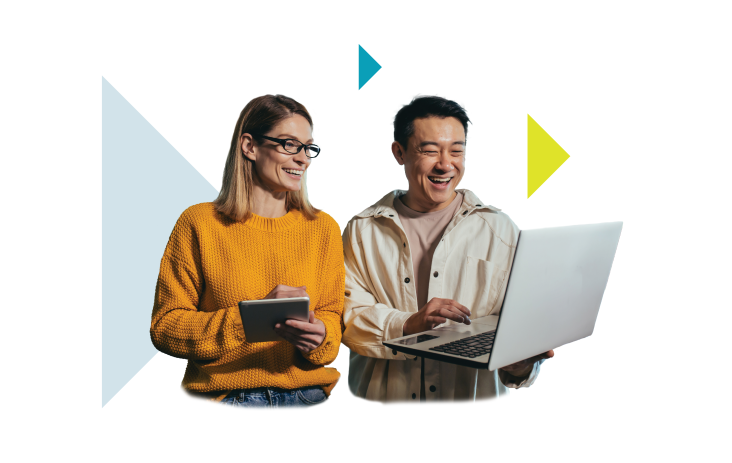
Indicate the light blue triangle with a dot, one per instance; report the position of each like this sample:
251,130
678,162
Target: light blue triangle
367,67
146,184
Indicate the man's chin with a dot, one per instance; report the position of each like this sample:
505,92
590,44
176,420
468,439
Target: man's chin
441,196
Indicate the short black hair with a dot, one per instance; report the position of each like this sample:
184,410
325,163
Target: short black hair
426,106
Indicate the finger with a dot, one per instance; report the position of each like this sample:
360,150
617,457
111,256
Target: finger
304,348
435,320
457,305
451,313
299,334
286,336
290,293
302,343
288,288
311,317
305,326
459,313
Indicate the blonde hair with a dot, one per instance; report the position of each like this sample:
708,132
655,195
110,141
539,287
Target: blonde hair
257,118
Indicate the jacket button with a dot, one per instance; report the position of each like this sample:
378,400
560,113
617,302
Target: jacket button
435,274
405,244
391,215
393,351
433,388
406,280
465,212
478,205
414,396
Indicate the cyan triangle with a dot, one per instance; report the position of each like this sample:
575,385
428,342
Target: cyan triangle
367,67
146,184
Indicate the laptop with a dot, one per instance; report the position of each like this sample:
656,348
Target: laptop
553,296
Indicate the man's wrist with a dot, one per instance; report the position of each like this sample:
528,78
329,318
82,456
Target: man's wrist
406,327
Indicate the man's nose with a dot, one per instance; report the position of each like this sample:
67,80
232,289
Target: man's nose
444,163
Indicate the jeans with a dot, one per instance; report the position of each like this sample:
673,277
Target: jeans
275,397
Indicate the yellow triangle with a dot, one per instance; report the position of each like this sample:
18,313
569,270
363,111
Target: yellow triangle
544,156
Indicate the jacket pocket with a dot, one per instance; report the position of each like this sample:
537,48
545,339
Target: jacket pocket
482,282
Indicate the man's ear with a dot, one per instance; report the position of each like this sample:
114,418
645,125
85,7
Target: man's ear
248,147
399,152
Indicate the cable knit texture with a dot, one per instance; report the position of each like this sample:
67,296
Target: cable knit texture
211,263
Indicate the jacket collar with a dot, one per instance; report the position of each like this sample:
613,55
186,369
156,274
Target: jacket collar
385,206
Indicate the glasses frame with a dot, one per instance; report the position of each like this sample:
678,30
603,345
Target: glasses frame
283,142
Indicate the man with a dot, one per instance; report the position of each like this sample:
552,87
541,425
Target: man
422,258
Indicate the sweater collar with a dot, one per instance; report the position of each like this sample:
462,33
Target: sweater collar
273,225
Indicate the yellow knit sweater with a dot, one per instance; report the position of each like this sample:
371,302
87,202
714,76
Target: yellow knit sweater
211,263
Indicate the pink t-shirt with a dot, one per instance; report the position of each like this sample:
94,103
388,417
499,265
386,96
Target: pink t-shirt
424,230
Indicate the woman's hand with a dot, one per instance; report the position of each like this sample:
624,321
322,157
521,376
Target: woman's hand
284,291
306,336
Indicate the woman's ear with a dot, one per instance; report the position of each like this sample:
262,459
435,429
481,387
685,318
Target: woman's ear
248,148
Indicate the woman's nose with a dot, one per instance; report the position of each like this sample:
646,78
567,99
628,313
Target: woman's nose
301,157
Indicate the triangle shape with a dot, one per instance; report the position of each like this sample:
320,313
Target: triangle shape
146,185
545,156
367,67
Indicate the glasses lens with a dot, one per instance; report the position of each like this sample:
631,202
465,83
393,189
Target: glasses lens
312,151
291,146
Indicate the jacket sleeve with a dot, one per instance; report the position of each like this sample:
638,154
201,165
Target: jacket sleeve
367,321
178,328
516,382
330,305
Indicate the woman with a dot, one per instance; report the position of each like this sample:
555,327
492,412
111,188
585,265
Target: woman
260,239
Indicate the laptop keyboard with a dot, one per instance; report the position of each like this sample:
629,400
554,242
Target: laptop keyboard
470,347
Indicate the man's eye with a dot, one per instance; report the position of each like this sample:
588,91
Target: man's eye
457,153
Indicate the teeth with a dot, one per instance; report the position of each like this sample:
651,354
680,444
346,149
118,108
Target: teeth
293,171
439,180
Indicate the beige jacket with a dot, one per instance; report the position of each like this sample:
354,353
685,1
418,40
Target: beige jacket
470,265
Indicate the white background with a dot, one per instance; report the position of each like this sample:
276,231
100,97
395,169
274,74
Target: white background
638,93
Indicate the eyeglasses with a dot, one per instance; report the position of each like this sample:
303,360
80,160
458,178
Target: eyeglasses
294,146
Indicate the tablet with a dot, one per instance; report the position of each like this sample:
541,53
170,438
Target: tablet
260,317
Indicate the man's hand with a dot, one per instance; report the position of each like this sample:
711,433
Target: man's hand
306,336
284,291
524,367
436,312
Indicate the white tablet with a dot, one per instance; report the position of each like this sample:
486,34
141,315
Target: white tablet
260,317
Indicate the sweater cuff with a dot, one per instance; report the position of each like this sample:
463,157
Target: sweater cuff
235,316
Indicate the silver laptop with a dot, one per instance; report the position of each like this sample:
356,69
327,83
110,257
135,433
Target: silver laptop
553,296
